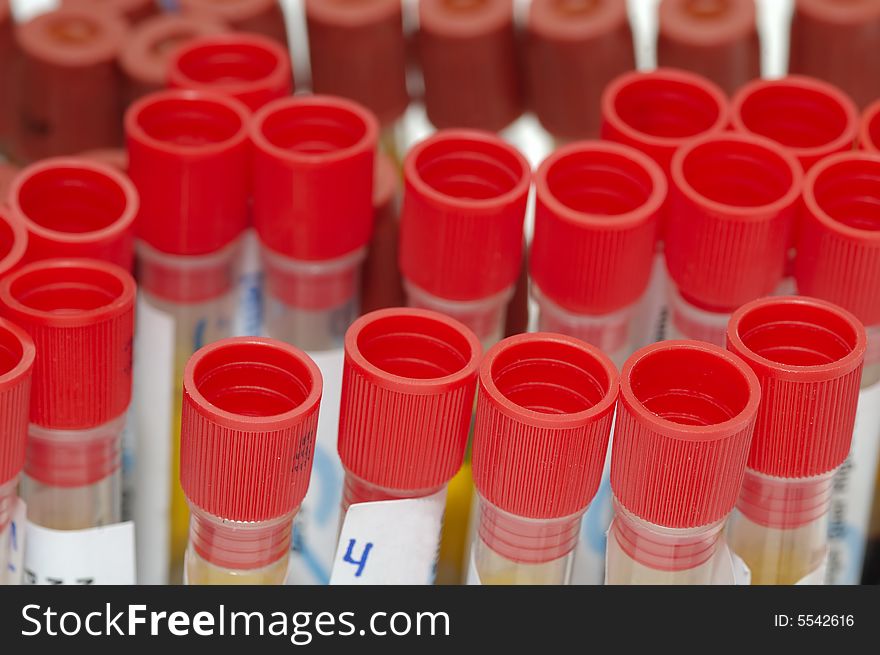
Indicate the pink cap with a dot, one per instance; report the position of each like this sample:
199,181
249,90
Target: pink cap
73,207
684,425
258,16
13,241
464,203
80,314
468,55
16,369
597,210
811,118
838,250
248,67
358,51
408,387
659,111
134,11
732,206
715,38
189,157
307,150
869,136
247,436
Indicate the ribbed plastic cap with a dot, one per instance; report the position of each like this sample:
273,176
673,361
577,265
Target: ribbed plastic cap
358,51
13,241
469,60
189,157
869,134
464,203
715,38
133,11
544,410
733,201
74,207
658,112
684,425
810,118
597,211
257,16
573,50
80,314
247,436
16,368
408,388
808,357
313,176
251,68
838,256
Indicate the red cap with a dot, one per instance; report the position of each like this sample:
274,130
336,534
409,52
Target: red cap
146,54
869,136
544,410
189,157
16,368
73,207
657,112
313,176
838,256
574,49
733,201
597,209
80,314
468,54
408,387
13,241
247,436
134,11
258,16
7,52
248,67
381,284
808,357
811,118
715,38
684,424
116,158
358,51
464,204
838,42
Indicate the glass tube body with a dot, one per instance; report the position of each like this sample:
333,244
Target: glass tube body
7,507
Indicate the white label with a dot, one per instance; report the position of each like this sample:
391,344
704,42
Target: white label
818,575
153,401
102,555
249,314
317,523
16,536
390,542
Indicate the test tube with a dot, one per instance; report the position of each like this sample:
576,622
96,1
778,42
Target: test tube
16,370
808,356
684,424
133,11
545,405
68,92
13,242
80,314
7,77
189,158
869,133
73,207
257,16
838,260
809,117
250,412
733,201
837,42
358,51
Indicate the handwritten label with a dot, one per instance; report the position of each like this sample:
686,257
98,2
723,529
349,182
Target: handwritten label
16,536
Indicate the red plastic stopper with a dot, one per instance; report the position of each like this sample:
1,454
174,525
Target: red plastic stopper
258,16
358,51
597,211
811,118
189,157
407,396
733,200
464,204
869,136
247,436
684,425
658,112
133,11
73,207
13,241
468,54
248,67
16,369
80,314
838,250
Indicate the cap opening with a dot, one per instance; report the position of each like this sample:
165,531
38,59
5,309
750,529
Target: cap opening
73,31
577,7
314,129
848,191
416,347
689,386
464,5
737,173
67,290
667,108
253,379
188,121
706,9
11,351
550,377
227,63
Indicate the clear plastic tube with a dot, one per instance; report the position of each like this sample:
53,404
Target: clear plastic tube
7,506
356,491
687,321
